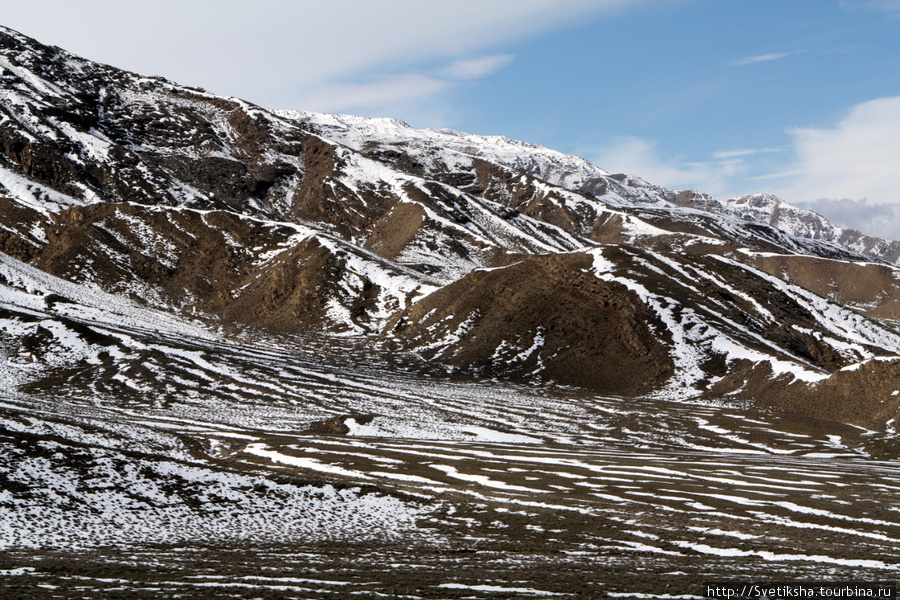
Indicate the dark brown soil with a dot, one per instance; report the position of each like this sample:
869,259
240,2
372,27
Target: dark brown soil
596,334
870,288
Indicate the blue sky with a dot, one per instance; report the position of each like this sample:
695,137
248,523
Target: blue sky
800,98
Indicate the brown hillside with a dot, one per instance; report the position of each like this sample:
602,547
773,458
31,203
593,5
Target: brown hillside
595,334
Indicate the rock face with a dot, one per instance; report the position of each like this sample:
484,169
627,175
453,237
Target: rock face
481,255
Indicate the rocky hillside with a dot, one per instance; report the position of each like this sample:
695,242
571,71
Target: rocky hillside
481,256
392,138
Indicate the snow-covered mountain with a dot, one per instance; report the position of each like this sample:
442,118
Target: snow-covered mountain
439,151
483,254
771,210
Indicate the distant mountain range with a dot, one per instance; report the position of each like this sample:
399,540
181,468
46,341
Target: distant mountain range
127,199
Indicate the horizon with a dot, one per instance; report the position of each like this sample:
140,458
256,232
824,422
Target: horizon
800,100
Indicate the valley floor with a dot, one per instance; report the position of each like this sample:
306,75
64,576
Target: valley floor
307,471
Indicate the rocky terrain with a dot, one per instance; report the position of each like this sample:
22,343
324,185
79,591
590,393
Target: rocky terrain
363,359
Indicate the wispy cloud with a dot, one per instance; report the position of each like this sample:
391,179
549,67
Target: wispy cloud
748,152
387,90
281,51
750,60
642,157
393,91
475,68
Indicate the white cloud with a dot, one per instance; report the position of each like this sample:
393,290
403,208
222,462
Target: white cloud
758,59
848,174
640,157
386,93
277,52
389,90
747,152
475,68
882,220
382,94
856,159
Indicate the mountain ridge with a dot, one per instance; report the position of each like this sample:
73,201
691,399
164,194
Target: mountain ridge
577,174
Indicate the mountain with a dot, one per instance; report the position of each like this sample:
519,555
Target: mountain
771,210
483,254
389,138
247,327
